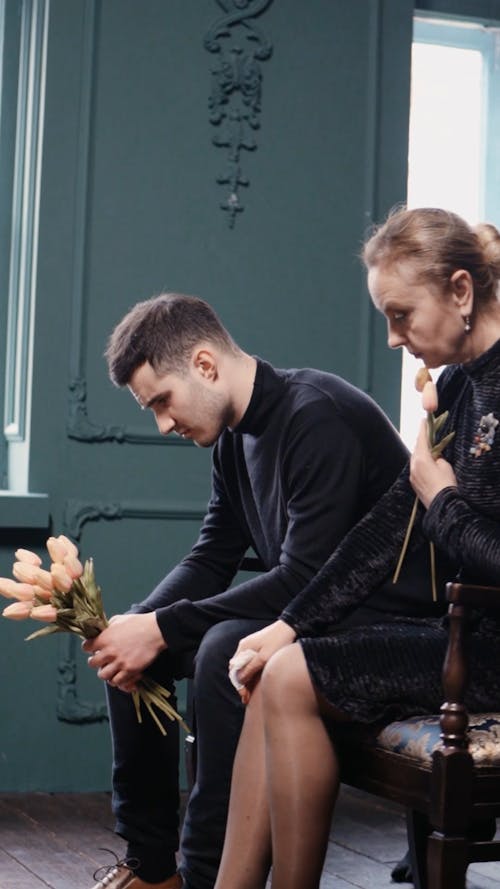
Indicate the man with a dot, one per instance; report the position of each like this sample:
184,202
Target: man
298,457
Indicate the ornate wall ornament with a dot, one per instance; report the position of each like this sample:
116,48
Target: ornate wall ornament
235,99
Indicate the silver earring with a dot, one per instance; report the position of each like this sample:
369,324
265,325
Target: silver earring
467,324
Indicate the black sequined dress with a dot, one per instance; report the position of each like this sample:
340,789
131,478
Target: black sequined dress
375,649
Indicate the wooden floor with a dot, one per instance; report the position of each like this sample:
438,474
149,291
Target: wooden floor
54,840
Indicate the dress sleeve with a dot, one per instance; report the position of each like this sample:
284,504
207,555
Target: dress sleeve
363,560
469,537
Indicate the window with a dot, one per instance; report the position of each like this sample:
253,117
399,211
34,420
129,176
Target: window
454,140
23,38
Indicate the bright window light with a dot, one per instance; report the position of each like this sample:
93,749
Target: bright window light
445,162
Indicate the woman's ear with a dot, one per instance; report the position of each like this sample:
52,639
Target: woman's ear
463,290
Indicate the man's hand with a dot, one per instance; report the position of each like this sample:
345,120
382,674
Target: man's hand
427,475
265,643
125,648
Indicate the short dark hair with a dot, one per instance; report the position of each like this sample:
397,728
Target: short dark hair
163,331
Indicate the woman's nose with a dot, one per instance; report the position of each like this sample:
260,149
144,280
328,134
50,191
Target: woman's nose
395,340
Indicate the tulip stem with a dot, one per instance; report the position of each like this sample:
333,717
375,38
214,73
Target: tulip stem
433,571
406,541
431,435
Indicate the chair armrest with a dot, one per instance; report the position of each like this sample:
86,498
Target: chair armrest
473,595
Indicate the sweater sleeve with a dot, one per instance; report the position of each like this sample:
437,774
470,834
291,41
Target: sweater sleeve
361,562
214,559
324,494
471,538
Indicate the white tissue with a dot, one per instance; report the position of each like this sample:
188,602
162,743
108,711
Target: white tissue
237,663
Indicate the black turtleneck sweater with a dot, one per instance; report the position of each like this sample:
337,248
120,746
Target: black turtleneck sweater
311,455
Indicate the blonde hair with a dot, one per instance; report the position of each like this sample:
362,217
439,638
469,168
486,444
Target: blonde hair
438,242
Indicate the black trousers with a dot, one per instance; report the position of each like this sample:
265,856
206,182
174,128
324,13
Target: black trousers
146,763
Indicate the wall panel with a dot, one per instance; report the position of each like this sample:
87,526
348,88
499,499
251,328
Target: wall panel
130,205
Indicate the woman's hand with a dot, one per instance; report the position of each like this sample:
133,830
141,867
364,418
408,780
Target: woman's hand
429,476
264,643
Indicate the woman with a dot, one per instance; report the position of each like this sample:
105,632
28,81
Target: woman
436,281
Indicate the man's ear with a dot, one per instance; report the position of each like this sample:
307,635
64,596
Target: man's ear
463,290
205,364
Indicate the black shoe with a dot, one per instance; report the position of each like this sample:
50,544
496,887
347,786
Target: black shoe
401,872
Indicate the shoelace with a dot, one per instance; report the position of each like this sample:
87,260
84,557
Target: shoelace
106,872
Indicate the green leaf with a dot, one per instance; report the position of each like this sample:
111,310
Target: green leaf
440,421
438,448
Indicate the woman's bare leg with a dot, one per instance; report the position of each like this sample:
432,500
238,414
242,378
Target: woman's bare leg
302,771
246,856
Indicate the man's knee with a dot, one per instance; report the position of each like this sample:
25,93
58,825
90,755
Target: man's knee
219,644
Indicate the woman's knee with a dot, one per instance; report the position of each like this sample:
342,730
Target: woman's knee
286,682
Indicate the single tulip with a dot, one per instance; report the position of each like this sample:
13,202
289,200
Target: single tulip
429,397
42,593
56,549
71,548
44,579
12,590
422,377
73,567
46,613
25,555
25,572
17,611
61,579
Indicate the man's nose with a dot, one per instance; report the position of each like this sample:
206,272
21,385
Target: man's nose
165,424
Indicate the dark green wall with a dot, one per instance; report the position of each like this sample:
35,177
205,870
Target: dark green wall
129,206
488,10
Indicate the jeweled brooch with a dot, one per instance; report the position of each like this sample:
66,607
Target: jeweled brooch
485,435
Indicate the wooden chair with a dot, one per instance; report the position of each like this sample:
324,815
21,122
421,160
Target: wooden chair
444,769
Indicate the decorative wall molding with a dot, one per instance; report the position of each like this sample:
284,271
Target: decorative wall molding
235,99
80,427
78,512
70,708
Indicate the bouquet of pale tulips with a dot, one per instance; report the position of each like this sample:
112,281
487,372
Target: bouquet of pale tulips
425,385
68,599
